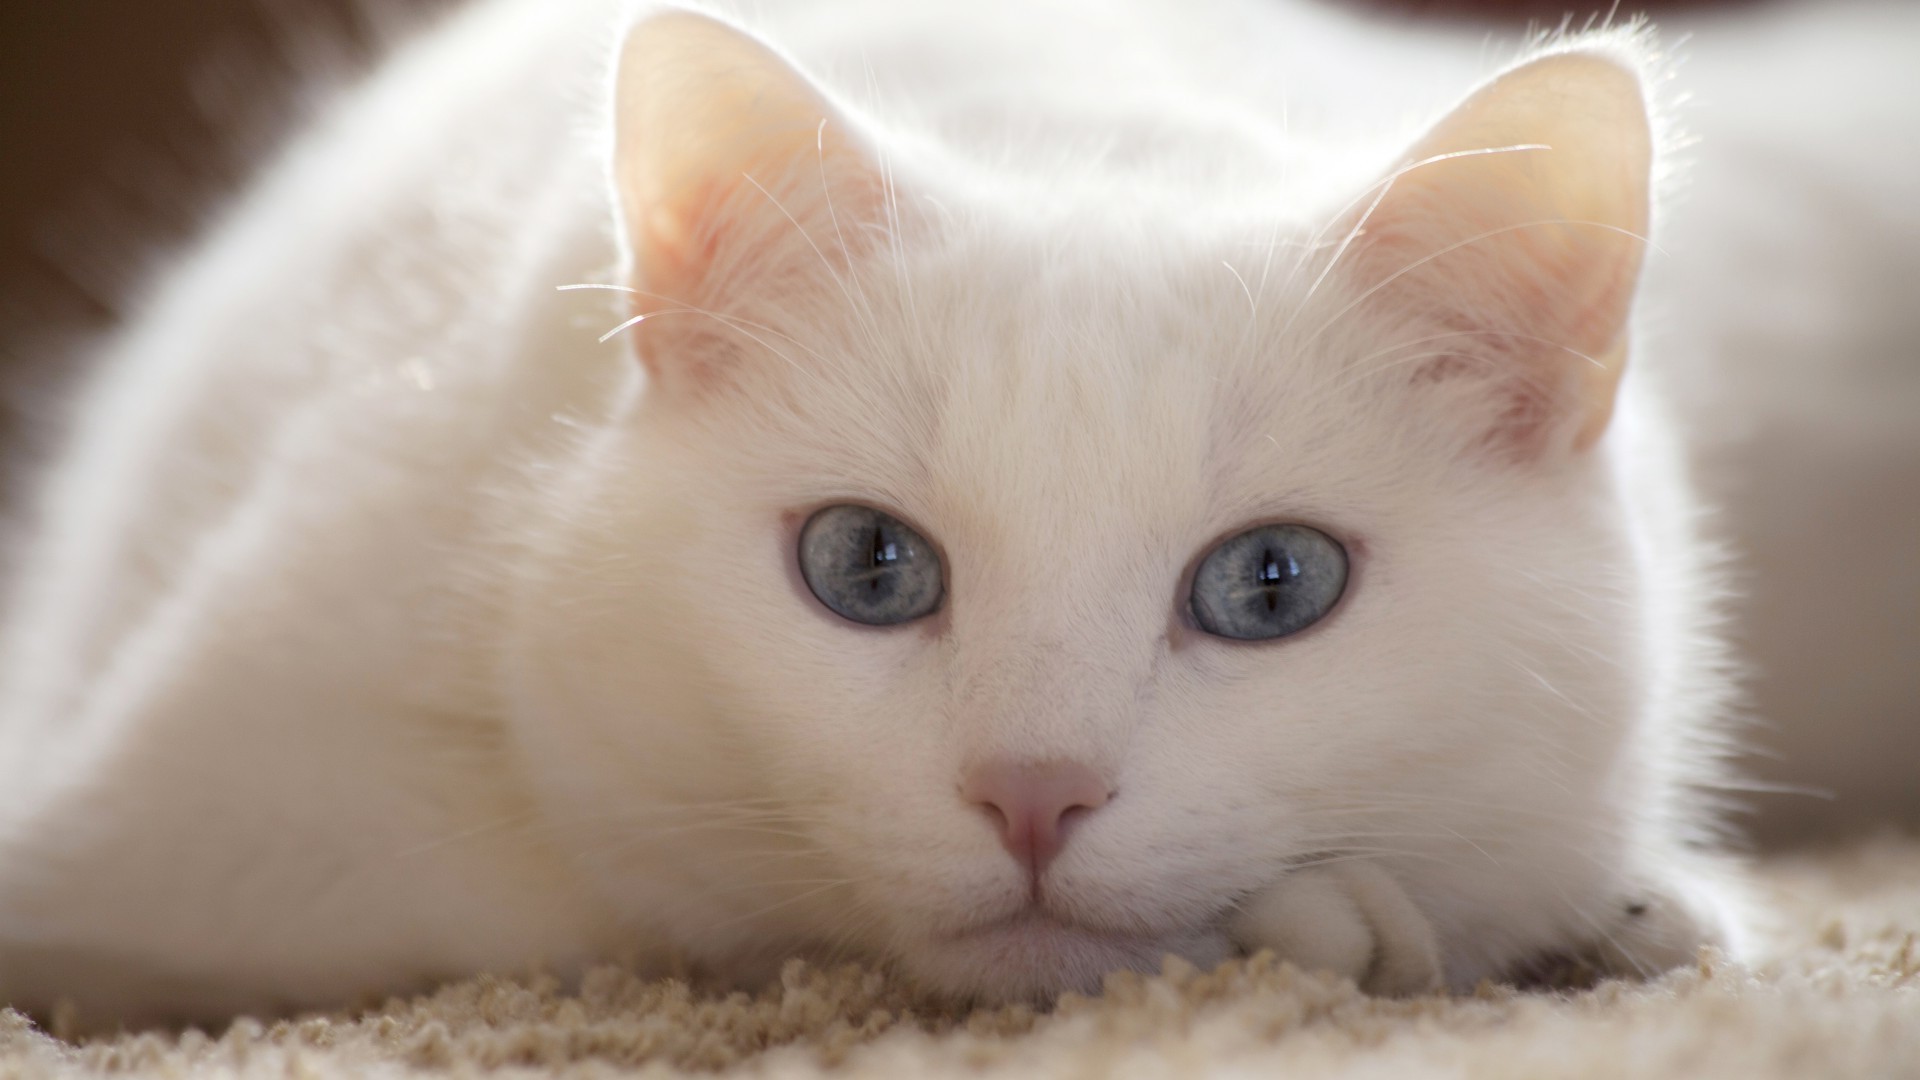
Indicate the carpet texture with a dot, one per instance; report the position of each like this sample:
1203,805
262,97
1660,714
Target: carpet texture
1840,997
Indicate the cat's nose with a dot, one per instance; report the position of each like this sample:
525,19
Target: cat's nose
1034,804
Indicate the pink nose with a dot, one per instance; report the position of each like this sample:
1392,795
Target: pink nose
1033,805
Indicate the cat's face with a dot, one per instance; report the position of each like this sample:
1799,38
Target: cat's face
1072,413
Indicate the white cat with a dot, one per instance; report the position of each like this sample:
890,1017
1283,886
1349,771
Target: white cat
1072,483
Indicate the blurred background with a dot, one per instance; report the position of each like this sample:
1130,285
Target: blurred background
136,113
122,120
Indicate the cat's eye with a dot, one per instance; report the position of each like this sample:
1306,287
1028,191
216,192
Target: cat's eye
869,567
1268,582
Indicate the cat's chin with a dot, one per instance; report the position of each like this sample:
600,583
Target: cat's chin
1034,958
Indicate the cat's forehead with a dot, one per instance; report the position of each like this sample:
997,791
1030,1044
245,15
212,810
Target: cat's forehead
1092,381
1132,345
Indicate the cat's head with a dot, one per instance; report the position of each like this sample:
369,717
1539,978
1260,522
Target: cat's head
1007,581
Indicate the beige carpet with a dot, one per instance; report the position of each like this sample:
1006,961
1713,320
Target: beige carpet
1841,999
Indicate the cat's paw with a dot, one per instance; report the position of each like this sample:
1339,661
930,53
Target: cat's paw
1656,929
1351,918
1644,932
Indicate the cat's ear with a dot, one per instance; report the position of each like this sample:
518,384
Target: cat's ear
734,174
1520,221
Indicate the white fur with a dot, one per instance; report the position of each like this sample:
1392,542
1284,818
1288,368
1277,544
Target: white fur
383,626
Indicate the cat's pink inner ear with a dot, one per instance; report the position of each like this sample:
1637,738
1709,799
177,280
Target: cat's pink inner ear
734,173
1520,220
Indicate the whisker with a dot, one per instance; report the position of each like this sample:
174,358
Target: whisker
1379,191
771,908
494,828
1431,338
1253,309
859,306
1448,250
733,322
1370,854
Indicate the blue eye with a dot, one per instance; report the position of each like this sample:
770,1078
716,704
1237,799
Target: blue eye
1268,582
869,567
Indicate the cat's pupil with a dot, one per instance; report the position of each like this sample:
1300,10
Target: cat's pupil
1273,575
884,551
1270,571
